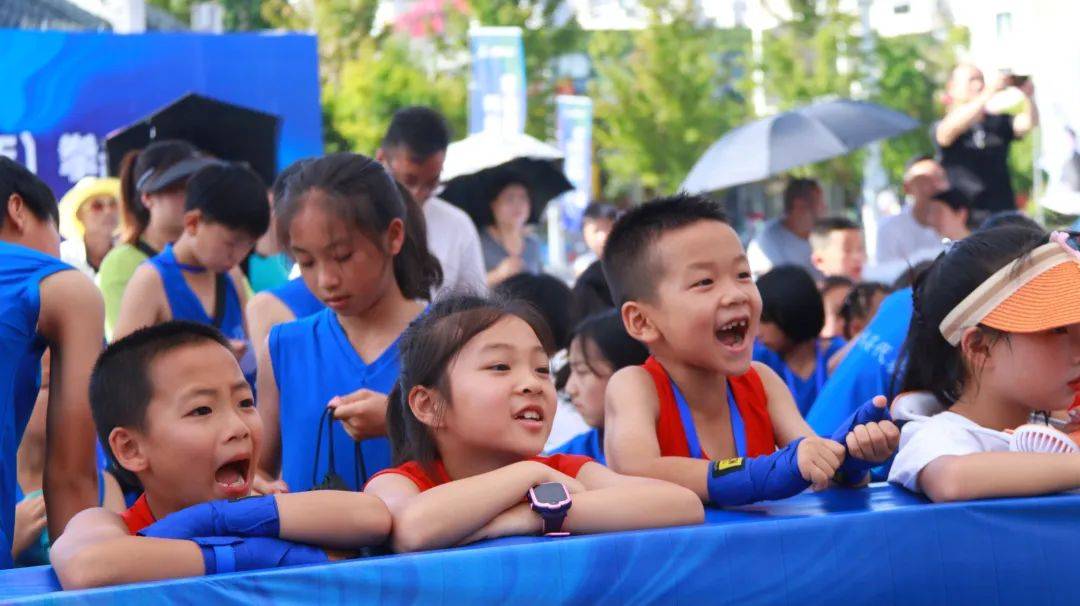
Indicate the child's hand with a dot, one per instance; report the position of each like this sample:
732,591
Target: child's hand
873,442
818,460
29,522
362,413
517,521
261,485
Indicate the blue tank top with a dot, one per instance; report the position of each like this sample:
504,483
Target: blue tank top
21,272
296,296
185,304
313,362
589,444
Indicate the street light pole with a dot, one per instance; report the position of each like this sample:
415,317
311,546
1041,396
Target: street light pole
874,179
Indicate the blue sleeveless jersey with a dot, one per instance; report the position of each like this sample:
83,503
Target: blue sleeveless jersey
296,296
313,362
185,304
21,272
589,444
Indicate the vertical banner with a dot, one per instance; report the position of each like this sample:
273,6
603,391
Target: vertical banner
573,131
497,86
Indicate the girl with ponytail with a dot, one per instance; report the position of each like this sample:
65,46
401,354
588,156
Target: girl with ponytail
361,245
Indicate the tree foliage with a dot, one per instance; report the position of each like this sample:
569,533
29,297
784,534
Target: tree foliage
662,95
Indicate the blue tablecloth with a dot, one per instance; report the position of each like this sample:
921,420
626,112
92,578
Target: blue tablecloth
880,546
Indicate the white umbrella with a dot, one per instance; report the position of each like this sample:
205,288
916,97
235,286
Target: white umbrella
487,150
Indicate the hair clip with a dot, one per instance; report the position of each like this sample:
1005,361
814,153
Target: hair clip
1067,242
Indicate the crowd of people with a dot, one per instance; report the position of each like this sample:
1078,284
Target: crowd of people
415,381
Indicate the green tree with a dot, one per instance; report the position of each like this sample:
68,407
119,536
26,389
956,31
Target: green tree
662,95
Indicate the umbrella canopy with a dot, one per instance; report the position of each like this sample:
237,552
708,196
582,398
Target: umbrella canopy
224,130
478,166
772,145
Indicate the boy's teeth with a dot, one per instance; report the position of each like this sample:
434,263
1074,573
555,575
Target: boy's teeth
531,416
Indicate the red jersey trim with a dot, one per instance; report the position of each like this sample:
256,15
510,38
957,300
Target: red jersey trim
750,399
138,516
565,463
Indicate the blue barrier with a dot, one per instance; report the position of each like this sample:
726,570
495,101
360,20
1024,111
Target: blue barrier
878,546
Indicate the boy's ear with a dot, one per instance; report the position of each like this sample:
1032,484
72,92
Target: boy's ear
638,324
127,449
816,260
424,403
15,212
192,218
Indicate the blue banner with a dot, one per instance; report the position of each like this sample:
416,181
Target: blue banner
573,131
497,86
65,91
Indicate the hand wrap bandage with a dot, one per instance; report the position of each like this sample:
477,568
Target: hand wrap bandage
236,554
853,470
248,517
741,481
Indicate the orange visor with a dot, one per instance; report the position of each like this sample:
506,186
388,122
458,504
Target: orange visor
1037,292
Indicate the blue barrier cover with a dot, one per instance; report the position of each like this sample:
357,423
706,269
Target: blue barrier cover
879,546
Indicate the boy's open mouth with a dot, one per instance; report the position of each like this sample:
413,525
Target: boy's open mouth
233,474
733,333
530,414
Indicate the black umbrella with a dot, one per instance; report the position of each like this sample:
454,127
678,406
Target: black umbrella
474,193
224,130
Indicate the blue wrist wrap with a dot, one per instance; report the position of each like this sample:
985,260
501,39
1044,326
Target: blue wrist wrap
853,470
741,481
235,554
249,517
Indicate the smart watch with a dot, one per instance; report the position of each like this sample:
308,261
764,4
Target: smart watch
552,501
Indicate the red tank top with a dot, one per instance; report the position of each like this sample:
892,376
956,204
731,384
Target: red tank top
565,463
750,399
138,516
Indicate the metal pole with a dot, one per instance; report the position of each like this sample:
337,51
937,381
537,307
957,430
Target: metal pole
874,179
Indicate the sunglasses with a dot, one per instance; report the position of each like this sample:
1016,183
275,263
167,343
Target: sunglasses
100,204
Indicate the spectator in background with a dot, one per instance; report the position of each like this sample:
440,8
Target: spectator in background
268,266
792,316
509,247
549,295
834,289
908,238
596,223
152,185
973,143
785,240
413,150
590,293
89,219
951,215
837,248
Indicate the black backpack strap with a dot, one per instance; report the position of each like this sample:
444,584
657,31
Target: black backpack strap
145,248
219,300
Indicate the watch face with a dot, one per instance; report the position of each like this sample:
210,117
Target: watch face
551,493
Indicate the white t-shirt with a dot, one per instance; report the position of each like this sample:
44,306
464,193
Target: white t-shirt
925,438
902,238
777,245
73,252
453,239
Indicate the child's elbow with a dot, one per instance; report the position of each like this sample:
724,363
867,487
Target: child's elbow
410,533
686,507
82,570
371,520
943,483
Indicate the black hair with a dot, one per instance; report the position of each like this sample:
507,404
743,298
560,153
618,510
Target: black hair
833,282
422,131
607,331
548,295
629,261
428,347
281,181
790,299
360,193
590,293
17,179
120,385
231,195
1009,217
600,210
823,229
857,304
798,188
911,274
138,165
939,367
